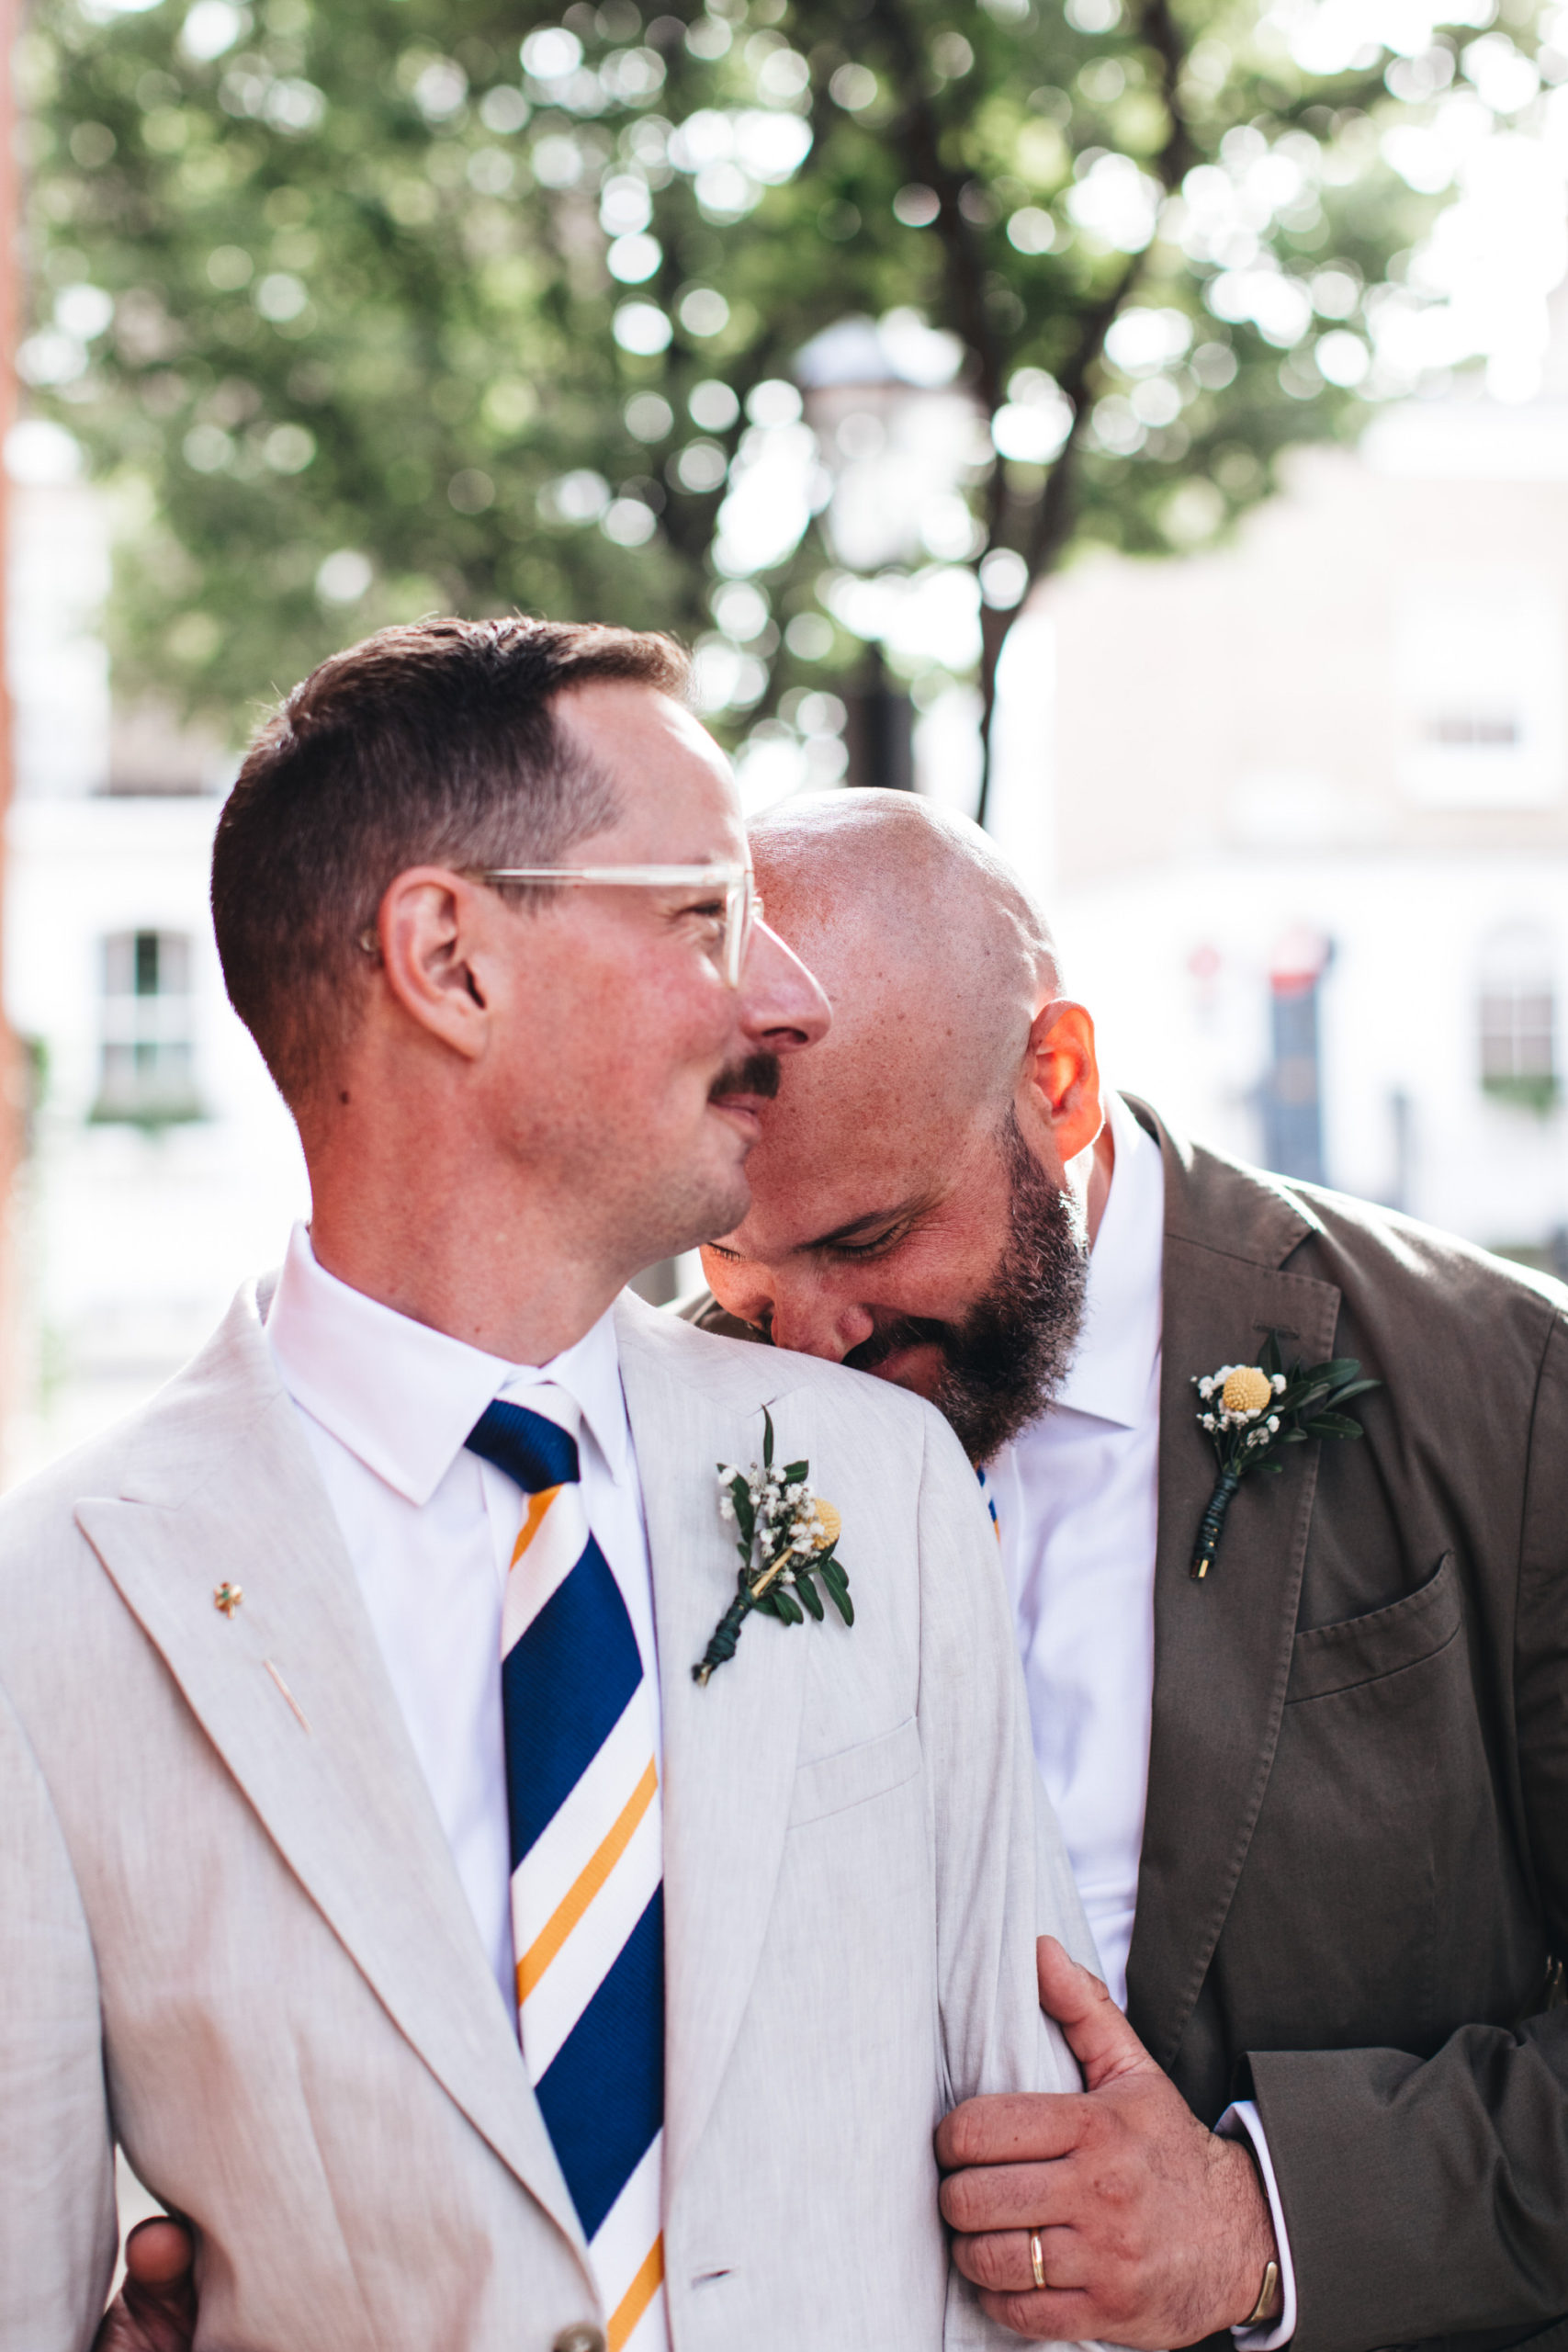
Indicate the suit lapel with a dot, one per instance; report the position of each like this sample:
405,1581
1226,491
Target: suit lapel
291,1692
1222,1647
729,1748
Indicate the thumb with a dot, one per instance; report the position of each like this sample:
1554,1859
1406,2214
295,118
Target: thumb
159,2253
1097,2033
155,2309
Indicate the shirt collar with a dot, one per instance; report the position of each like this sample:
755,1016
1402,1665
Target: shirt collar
402,1396
1111,1371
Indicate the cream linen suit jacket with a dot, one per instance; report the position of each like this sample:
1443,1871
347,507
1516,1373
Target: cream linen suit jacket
234,1938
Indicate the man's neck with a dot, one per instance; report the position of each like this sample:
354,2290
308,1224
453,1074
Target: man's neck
500,1276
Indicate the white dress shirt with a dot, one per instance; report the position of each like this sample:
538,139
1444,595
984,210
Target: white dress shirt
1077,1499
387,1405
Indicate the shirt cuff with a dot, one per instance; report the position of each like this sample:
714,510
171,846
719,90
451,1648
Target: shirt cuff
1243,2121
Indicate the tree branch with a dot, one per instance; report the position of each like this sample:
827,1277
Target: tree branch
1054,517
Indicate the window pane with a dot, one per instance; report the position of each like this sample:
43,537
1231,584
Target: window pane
147,1068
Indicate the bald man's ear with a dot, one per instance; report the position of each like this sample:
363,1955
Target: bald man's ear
1058,1097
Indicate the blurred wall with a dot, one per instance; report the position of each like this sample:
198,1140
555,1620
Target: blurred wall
1310,836
162,1167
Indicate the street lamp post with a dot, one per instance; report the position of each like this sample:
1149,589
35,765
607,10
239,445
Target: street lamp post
896,435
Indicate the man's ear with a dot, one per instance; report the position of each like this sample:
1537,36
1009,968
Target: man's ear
431,929
1059,1093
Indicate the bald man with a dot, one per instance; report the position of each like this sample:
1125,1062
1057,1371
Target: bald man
1317,1802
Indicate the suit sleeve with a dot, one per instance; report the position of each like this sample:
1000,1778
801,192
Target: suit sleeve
58,2229
1431,2198
1002,1876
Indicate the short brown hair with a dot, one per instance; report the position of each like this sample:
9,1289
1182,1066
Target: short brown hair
431,744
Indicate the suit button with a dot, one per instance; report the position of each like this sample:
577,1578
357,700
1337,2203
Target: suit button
583,2337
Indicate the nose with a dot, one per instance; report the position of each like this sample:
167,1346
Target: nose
810,1319
783,1006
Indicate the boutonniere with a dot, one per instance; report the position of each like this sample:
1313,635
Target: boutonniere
786,1537
1252,1411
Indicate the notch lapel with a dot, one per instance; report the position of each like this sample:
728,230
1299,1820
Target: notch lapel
1222,1647
340,1793
731,1749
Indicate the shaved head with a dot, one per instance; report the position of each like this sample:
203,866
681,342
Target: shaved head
897,904
910,1211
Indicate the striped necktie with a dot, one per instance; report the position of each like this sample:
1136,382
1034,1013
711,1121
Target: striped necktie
587,1892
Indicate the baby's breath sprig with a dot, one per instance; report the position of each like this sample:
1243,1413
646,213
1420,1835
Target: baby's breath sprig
1249,1411
786,1535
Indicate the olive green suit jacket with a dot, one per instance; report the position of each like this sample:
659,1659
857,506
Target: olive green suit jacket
1354,1880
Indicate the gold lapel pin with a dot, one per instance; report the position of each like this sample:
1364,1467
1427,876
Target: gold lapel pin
227,1598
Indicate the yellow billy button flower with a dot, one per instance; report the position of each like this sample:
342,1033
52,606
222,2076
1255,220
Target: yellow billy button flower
829,1525
1248,1390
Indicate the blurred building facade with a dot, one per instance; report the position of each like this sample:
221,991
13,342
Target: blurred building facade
1309,850
161,1167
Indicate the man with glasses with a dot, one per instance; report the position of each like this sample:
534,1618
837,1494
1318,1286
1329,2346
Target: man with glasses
480,1928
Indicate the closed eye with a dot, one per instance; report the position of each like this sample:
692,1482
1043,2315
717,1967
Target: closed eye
876,1247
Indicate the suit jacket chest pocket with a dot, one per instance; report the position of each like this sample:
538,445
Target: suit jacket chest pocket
854,1776
1408,1633
1359,1917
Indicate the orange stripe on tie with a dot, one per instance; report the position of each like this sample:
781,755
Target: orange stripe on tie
537,1506
592,1877
639,2296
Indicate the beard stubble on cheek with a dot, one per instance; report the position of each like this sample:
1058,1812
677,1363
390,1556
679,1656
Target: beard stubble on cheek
1002,1361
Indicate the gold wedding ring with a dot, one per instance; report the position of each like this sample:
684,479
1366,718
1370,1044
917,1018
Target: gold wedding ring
1037,2257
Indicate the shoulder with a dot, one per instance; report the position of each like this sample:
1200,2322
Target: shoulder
1223,1205
1453,1276
746,1374
163,1453
1454,1319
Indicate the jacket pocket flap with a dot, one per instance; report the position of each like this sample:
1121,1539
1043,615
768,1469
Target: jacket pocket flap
1363,1649
833,1783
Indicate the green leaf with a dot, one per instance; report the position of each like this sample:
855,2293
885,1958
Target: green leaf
807,1592
1356,1388
1337,1368
794,1472
787,1606
839,1598
1333,1425
767,1438
1269,1360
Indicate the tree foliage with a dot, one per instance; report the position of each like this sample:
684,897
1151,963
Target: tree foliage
389,305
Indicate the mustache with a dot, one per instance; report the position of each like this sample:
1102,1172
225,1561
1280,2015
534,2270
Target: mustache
758,1074
890,1339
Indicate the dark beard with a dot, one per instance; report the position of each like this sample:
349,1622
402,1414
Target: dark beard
1010,1352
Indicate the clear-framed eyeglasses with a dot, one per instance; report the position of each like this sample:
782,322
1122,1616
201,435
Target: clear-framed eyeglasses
736,884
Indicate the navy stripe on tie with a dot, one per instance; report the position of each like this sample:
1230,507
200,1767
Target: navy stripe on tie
564,1687
602,2094
530,1448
